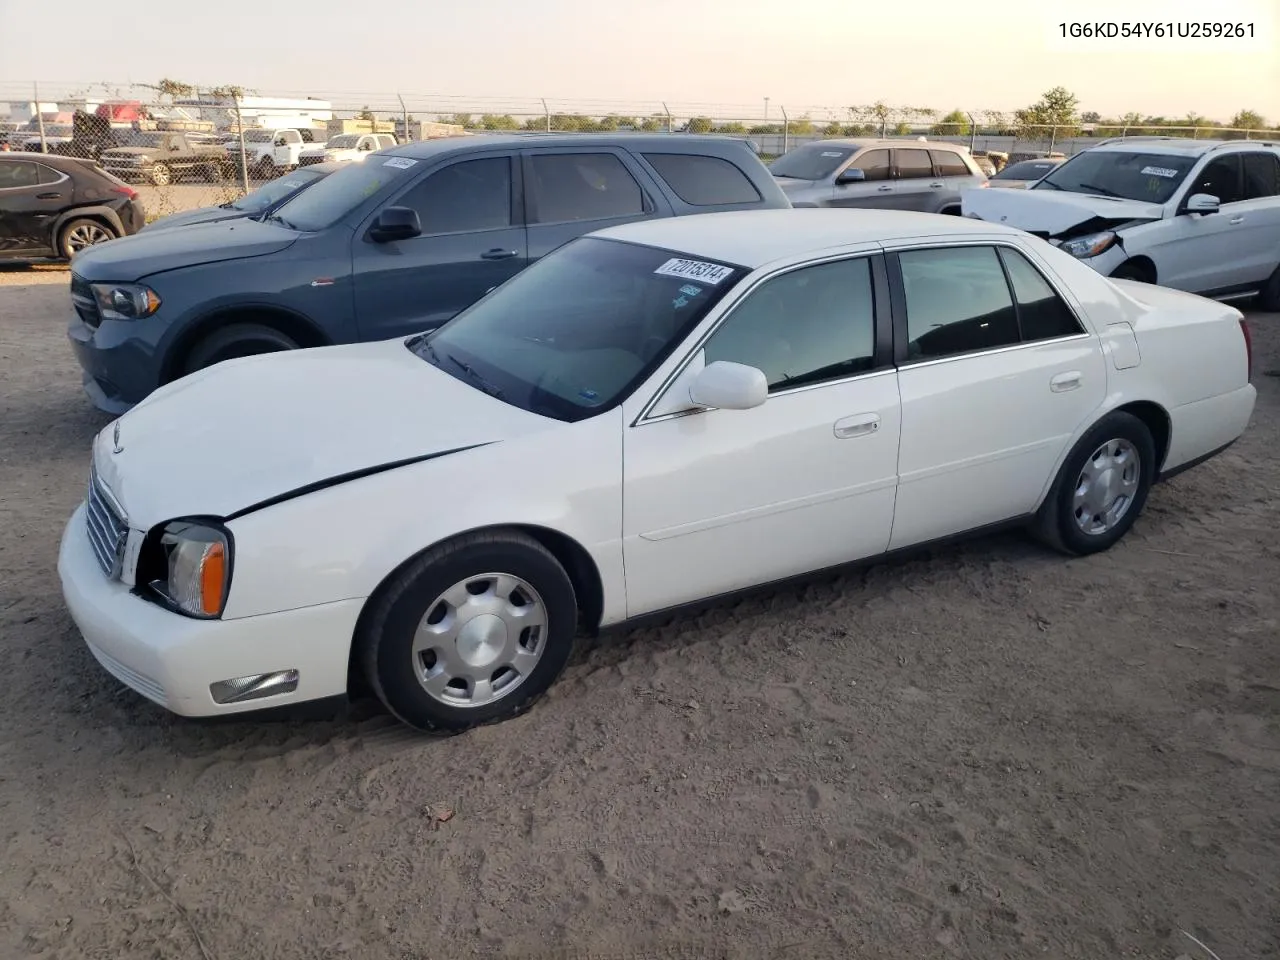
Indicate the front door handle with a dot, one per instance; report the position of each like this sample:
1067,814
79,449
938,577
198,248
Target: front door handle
1065,381
859,425
936,184
885,189
1236,220
48,196
498,254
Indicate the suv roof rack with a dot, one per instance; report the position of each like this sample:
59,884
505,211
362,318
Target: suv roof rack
1142,136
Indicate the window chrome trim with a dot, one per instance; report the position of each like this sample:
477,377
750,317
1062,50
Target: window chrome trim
727,311
933,361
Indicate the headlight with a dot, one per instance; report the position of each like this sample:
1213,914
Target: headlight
193,567
125,301
1090,246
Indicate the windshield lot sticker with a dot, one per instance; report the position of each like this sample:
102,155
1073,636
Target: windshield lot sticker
402,163
832,153
1159,172
711,273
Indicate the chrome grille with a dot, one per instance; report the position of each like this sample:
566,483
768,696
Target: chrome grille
107,529
83,300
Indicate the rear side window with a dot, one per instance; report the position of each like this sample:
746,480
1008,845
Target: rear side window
950,164
957,302
913,164
1261,175
583,186
703,181
48,174
1042,314
18,173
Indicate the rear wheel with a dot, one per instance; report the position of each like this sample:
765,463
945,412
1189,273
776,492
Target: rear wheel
1101,488
1269,296
234,341
75,235
160,174
472,632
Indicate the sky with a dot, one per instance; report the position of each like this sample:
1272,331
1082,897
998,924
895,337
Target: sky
719,57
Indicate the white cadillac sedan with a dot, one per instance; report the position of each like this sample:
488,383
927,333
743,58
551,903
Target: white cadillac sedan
652,415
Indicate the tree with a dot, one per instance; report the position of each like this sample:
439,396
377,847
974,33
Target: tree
653,123
699,125
172,88
1056,109
1248,120
491,121
365,113
733,126
1090,116
954,124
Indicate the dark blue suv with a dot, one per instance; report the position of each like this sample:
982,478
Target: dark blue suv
391,245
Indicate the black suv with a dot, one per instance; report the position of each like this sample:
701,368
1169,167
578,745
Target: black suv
53,206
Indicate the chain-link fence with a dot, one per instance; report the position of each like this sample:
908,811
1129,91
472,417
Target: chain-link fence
184,147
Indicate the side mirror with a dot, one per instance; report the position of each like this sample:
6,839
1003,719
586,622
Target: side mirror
729,386
1202,203
395,223
852,175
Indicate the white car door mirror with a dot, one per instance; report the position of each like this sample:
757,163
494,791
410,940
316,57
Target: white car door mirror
1202,203
729,386
852,175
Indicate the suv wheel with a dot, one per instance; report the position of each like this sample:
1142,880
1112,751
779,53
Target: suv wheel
1269,296
160,174
75,235
236,341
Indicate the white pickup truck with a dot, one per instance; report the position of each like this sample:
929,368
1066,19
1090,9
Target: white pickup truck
269,153
347,147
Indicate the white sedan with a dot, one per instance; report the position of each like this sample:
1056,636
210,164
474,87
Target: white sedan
652,415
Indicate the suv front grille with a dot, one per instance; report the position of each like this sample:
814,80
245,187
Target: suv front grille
107,529
85,303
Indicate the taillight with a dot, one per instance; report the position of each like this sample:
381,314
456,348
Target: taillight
127,191
1248,348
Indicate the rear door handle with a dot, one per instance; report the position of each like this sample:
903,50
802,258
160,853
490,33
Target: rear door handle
48,196
498,254
936,184
859,425
1065,381
1236,220
885,189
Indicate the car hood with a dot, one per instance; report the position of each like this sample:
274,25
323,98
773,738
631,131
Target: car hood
1052,213
199,215
146,253
248,432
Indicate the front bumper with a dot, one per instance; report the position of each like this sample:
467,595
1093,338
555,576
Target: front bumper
172,660
120,366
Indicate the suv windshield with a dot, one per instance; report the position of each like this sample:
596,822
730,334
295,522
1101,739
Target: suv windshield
575,333
336,195
1122,174
344,142
274,191
813,161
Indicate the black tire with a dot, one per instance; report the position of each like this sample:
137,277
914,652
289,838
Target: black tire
71,233
1269,295
1055,522
160,174
384,639
212,172
1131,271
236,340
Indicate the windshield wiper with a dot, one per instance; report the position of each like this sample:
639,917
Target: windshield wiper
1094,188
280,220
479,381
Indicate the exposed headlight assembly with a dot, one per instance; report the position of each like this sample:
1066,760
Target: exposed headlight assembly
125,301
192,570
1089,246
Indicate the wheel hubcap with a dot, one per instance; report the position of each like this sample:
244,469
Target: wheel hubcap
1106,487
480,640
85,236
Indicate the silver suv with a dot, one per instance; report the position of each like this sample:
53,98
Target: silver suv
884,174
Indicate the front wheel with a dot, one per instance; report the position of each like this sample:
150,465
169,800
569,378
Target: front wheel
235,341
1101,488
160,174
472,632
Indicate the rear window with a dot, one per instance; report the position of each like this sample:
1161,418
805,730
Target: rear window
703,181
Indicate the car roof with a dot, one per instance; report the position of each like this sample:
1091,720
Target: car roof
56,160
887,142
752,238
1177,145
426,149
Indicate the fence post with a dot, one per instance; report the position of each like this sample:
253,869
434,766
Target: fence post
244,153
973,132
546,113
404,112
670,127
786,129
35,89
1053,137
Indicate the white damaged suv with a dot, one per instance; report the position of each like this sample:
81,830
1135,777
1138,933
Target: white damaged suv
1195,215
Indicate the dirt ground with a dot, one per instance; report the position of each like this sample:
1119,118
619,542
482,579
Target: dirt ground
987,751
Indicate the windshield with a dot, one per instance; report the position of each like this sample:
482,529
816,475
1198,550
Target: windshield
344,142
574,334
1026,170
257,136
813,161
1150,177
274,191
136,139
328,201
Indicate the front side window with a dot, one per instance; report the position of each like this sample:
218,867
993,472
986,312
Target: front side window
914,164
957,302
806,326
875,164
575,333
1220,178
583,186
1120,174
464,196
1261,175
